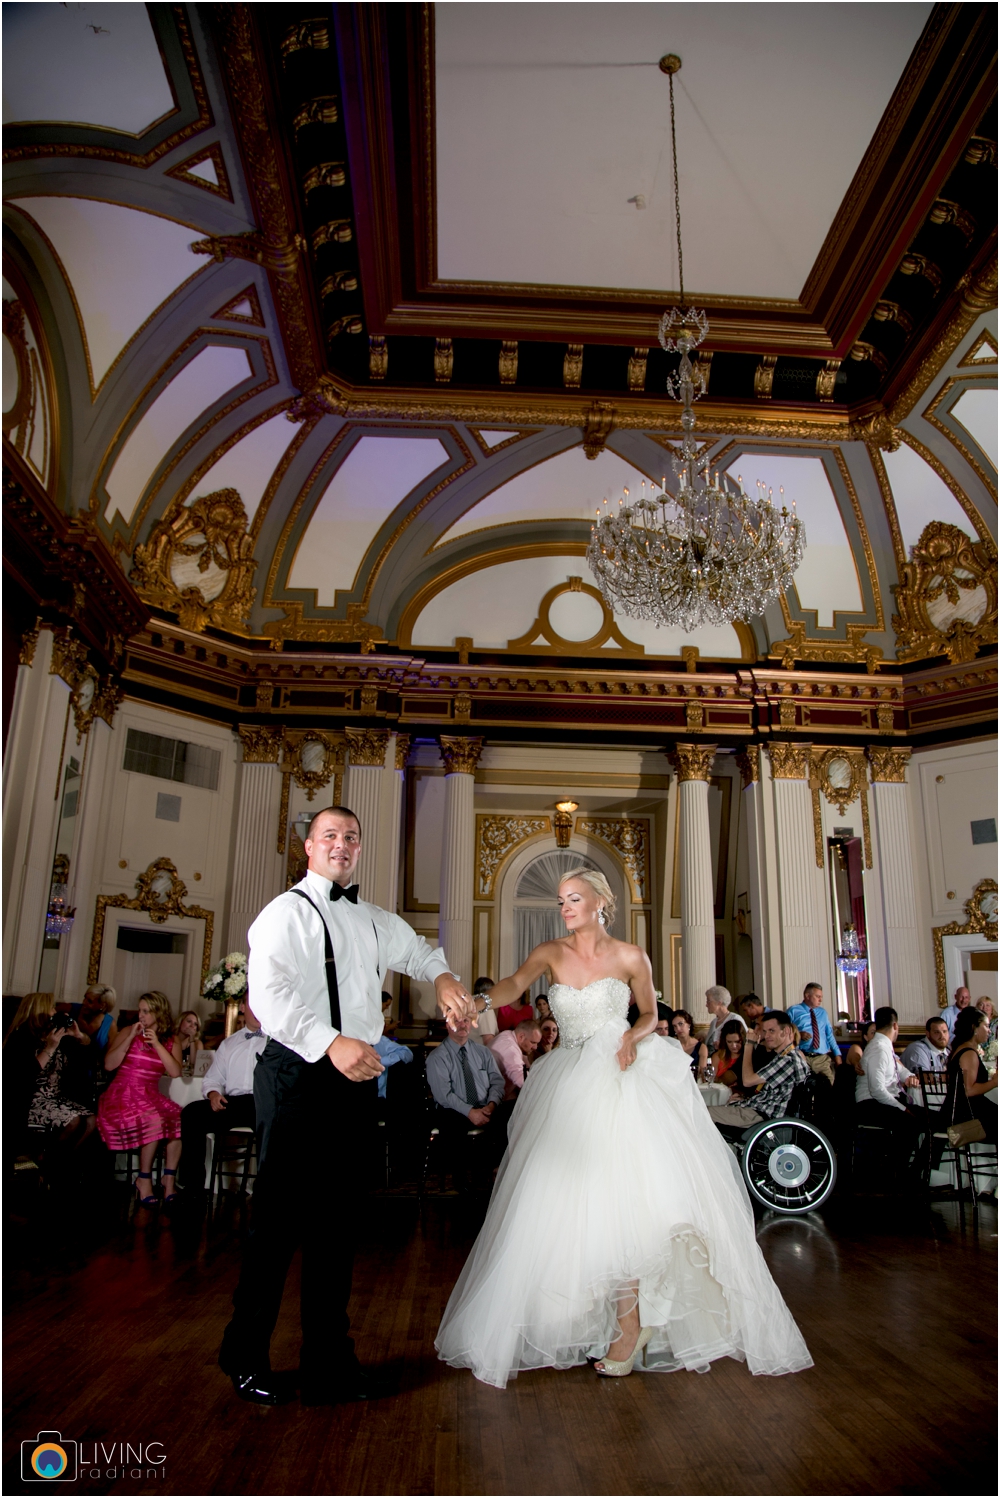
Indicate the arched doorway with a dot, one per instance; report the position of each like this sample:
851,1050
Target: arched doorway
527,900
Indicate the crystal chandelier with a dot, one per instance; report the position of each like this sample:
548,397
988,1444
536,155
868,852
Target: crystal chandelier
850,961
711,553
58,920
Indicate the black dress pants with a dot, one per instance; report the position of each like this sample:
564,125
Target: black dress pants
905,1126
198,1120
314,1136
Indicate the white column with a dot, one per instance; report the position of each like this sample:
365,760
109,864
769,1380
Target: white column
257,864
895,897
392,819
803,920
694,770
458,852
763,889
104,746
32,801
363,782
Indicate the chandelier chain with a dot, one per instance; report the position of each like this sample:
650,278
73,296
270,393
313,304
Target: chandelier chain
677,191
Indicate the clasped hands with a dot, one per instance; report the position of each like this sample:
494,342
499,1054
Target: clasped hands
360,1062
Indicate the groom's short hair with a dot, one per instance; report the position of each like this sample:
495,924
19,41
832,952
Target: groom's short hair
336,811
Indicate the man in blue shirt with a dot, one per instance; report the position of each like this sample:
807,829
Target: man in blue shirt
818,1043
929,1053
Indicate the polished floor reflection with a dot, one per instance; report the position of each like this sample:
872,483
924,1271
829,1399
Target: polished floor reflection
116,1342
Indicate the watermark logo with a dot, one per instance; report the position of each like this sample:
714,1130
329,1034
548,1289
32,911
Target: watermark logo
48,1458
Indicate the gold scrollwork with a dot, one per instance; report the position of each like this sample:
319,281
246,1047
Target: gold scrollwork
980,919
693,761
840,775
630,839
934,618
788,761
160,893
367,746
198,563
261,746
403,742
543,630
854,648
350,631
460,754
748,764
496,838
91,695
889,765
312,757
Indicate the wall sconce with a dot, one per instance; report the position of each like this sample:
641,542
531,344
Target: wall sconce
563,822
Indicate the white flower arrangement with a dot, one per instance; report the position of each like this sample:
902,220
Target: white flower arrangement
228,979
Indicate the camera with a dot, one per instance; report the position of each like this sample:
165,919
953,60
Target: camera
48,1458
55,1022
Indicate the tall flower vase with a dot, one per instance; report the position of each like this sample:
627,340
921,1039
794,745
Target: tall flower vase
232,1016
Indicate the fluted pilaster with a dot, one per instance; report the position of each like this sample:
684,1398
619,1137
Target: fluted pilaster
257,867
693,763
363,786
897,893
801,889
762,887
458,840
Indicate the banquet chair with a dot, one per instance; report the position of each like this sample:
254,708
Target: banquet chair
977,1160
235,1148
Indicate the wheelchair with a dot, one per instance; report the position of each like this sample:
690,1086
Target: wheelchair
788,1164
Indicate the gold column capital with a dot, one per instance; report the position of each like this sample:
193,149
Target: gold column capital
460,754
261,746
889,765
748,764
366,746
693,761
789,761
403,742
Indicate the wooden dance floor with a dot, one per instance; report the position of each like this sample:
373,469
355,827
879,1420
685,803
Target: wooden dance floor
896,1305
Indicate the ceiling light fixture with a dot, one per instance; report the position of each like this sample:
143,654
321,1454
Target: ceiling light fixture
711,554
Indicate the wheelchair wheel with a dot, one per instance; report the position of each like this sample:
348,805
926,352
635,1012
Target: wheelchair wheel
789,1165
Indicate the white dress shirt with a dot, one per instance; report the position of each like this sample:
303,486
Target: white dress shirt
882,1075
231,1071
286,969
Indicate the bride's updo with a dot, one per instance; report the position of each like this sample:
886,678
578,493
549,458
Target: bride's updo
601,888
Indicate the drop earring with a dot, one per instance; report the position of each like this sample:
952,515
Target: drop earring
601,916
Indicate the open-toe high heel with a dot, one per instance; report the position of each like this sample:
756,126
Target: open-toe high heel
171,1196
621,1368
145,1201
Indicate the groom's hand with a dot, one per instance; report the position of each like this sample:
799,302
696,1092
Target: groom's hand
358,1061
454,1000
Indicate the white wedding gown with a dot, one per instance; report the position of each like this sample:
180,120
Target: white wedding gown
613,1179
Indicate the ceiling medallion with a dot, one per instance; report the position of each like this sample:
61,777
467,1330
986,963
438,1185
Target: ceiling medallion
711,554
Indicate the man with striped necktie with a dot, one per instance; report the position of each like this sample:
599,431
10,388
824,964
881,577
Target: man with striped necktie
468,1087
818,1043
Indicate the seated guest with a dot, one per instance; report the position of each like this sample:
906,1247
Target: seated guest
967,1075
771,1085
550,1037
468,1087
542,1010
42,1074
818,1043
95,1017
511,1015
487,1027
930,1052
752,1011
961,1000
664,1014
718,1001
857,1050
727,1058
682,1029
388,1023
512,1051
879,1089
391,1052
227,1098
132,1113
186,1042
989,1052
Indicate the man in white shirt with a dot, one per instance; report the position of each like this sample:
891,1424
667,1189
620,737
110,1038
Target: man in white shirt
318,957
878,1090
226,1101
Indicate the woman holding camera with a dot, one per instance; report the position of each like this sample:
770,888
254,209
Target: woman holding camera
39,1054
132,1113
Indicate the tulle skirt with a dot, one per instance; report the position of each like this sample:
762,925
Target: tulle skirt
616,1188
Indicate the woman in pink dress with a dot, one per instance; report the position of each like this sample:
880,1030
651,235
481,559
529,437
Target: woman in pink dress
133,1113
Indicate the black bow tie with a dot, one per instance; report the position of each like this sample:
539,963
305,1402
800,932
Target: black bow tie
338,892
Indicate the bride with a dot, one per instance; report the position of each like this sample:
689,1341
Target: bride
619,1227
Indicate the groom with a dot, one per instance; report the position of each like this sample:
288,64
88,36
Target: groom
318,958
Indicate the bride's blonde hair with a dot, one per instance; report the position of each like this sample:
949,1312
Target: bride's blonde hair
599,885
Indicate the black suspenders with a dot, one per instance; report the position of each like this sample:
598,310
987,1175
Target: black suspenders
331,965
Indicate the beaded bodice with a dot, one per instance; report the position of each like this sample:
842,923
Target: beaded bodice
581,1012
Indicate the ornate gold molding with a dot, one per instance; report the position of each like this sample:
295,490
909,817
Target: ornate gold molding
947,477
497,837
962,383
367,746
29,640
829,652
980,919
598,424
403,742
160,893
213,530
91,695
945,563
840,774
748,764
630,840
261,746
354,630
888,766
607,633
693,761
788,761
312,757
460,754
979,295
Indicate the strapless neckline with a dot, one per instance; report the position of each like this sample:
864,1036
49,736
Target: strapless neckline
592,984
581,1012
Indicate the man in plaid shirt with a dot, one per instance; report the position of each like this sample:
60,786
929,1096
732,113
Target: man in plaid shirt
775,1080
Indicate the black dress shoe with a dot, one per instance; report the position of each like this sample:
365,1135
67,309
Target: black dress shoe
355,1384
264,1388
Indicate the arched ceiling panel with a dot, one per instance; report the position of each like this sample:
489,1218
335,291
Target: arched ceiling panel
122,264
827,578
377,475
920,495
86,64
193,390
976,410
569,486
249,464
